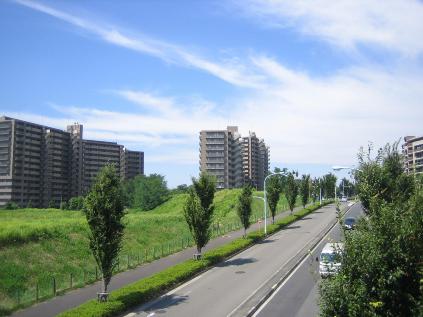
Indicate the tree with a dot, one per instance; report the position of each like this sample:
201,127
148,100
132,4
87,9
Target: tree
315,189
199,208
346,187
273,192
291,191
149,191
104,210
381,267
244,207
328,185
305,189
76,203
381,177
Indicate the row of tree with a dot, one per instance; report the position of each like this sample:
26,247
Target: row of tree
382,264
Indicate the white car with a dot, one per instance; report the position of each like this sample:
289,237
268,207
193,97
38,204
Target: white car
344,199
330,259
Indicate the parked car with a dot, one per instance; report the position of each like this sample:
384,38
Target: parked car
344,199
330,259
349,223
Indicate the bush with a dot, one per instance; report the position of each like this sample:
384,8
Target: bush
11,205
151,287
76,203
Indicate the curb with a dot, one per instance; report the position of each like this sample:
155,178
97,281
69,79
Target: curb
270,290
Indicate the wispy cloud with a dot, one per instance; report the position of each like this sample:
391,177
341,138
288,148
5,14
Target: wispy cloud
395,25
225,70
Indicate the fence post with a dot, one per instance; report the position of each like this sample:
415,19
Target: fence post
54,286
128,262
85,277
36,292
96,273
139,258
71,280
162,249
145,255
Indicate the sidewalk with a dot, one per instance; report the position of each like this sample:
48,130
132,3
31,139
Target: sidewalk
76,297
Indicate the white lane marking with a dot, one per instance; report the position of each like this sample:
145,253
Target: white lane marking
295,270
267,281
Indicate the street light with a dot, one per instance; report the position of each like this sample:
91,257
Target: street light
338,168
265,198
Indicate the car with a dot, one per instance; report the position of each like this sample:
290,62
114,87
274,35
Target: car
330,259
349,223
344,199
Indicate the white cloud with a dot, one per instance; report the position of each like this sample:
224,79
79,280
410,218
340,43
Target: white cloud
396,25
227,71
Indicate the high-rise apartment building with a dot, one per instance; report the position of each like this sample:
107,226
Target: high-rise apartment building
232,159
40,165
413,154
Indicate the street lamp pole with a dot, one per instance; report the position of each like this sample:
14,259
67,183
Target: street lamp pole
337,168
265,198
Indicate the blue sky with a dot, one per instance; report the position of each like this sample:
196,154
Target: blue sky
315,79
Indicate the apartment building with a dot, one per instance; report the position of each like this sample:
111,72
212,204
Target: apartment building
40,165
413,154
232,159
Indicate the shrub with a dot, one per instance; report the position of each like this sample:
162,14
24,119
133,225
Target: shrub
76,203
151,287
11,205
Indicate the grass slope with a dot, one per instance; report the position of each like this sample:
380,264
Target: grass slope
39,244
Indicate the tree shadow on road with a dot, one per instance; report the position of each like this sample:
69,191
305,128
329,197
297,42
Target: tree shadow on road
237,262
165,302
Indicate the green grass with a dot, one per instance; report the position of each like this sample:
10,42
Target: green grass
39,244
153,286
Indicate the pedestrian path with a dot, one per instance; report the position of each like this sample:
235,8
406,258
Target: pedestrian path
76,297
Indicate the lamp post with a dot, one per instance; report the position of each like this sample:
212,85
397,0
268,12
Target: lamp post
338,168
265,198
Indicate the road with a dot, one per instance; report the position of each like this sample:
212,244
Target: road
236,285
78,296
298,294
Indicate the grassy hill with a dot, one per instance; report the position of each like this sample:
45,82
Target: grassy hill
39,244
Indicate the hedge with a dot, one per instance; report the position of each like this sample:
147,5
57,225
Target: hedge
151,287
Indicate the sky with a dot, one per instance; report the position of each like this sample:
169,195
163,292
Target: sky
316,79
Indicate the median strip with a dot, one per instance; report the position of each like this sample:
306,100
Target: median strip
144,290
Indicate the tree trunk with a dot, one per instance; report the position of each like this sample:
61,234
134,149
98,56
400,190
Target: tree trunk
105,284
198,250
245,232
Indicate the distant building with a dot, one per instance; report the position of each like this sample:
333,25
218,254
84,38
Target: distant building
413,154
232,159
40,165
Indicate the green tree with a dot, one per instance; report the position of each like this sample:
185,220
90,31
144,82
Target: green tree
150,191
199,208
244,207
315,189
381,177
104,210
291,191
305,189
76,203
273,192
328,185
381,271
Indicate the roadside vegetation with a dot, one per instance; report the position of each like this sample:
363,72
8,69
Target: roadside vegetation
39,244
382,264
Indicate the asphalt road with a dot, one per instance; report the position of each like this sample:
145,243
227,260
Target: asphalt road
78,296
298,295
230,288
